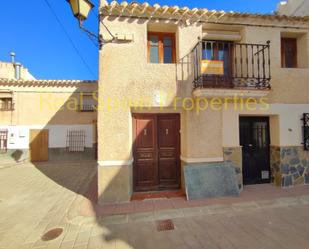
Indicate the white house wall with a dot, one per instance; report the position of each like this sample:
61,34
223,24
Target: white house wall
18,136
285,131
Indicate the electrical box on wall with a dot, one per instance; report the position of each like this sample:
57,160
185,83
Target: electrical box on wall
12,138
306,130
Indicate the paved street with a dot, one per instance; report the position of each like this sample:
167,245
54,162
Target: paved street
37,198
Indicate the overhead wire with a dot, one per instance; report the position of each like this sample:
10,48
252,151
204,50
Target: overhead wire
69,38
97,16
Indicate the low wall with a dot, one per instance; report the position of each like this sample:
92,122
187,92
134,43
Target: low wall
289,165
54,154
234,155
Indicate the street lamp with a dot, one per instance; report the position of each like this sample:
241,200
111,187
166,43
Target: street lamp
80,9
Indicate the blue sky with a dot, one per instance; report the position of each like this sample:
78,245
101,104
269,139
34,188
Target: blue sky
30,30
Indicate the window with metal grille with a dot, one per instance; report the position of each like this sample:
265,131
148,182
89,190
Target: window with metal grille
76,140
88,104
306,130
3,140
6,104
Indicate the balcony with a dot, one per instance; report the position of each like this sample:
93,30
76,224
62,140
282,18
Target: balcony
224,69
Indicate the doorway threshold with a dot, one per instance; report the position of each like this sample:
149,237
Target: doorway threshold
153,195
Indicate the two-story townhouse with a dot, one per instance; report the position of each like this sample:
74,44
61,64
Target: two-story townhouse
181,88
44,120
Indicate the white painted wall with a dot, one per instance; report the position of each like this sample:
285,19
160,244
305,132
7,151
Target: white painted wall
18,136
58,133
289,124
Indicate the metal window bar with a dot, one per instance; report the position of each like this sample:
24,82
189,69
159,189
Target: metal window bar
3,141
87,108
6,104
76,140
237,71
306,130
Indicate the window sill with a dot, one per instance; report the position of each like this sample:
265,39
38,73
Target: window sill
86,110
294,68
150,63
6,110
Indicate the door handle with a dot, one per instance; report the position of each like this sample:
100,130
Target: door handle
250,145
166,131
145,132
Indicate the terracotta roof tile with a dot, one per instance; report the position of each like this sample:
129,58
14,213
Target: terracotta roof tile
45,82
145,10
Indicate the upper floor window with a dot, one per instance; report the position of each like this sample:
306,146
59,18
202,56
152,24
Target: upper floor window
161,47
88,104
6,104
289,52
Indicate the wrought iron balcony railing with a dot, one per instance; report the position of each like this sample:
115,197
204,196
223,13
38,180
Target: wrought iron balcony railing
221,64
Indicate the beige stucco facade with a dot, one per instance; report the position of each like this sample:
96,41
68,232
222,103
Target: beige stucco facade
126,76
52,105
52,100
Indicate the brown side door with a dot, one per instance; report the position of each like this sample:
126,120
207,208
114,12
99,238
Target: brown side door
156,149
38,145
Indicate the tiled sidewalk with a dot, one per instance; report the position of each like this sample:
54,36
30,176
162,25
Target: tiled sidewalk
250,194
228,209
37,198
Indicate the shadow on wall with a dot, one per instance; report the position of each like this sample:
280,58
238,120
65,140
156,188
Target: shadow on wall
184,74
62,103
81,176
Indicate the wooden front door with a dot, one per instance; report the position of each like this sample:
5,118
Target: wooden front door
156,149
255,142
38,145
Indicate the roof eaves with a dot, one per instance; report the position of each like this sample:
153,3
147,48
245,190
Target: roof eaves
142,10
46,82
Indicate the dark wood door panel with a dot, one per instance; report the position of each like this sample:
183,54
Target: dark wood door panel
146,175
168,174
145,152
169,151
167,129
144,155
145,133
